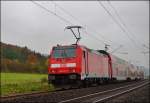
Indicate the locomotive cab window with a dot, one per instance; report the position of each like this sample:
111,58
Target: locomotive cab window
64,52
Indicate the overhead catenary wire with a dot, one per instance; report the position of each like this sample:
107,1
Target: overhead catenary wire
72,16
60,17
68,13
120,26
95,37
90,28
131,33
53,13
120,19
117,48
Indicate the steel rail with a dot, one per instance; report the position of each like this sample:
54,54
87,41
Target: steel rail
107,91
118,94
3,98
29,94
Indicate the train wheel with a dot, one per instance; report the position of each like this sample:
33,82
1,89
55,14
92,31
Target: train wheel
100,81
66,87
79,84
86,83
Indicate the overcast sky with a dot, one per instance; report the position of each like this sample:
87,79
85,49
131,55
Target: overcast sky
24,23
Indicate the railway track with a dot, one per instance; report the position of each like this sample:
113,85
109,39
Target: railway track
3,98
99,97
71,95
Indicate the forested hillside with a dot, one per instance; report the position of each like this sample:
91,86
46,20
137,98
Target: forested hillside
22,59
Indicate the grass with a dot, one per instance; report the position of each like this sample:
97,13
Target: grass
15,83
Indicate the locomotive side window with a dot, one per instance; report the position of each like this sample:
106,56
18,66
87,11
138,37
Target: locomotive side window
64,52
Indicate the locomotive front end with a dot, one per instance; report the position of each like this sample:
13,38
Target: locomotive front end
63,65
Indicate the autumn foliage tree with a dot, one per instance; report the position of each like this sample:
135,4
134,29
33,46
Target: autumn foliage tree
21,59
32,59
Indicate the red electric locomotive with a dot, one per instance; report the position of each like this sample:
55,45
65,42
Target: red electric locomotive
76,64
80,65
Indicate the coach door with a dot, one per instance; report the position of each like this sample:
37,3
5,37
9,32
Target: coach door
85,54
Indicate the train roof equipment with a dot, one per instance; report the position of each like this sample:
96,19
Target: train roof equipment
78,37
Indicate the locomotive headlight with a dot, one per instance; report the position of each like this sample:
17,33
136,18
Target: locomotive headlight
55,65
71,65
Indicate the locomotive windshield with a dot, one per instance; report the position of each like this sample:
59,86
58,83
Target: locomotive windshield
63,52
